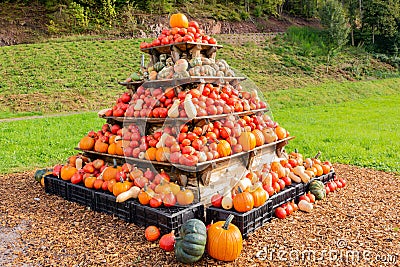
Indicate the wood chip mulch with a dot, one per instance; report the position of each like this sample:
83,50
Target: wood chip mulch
355,226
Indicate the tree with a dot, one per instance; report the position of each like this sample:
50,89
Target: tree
333,18
380,17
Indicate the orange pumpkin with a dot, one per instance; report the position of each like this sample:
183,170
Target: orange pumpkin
89,181
178,20
67,171
184,197
162,154
86,143
326,168
281,132
260,140
118,148
152,233
224,240
145,195
110,172
121,187
259,195
150,153
224,148
110,184
247,140
112,149
319,169
243,201
100,146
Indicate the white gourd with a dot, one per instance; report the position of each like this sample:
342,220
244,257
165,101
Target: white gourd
173,111
190,109
304,205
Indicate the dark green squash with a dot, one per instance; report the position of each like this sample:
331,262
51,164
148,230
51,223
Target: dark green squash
190,244
159,66
39,174
318,189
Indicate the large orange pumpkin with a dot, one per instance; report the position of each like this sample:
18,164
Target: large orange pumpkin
224,240
247,140
112,149
281,132
178,20
86,143
260,140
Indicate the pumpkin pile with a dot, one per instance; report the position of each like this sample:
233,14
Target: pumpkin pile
186,146
181,30
124,182
255,187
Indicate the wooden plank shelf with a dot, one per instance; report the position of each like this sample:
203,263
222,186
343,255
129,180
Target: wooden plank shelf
181,120
197,168
176,82
183,46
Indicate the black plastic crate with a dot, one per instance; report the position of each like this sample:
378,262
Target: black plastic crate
105,202
81,195
247,222
56,186
167,219
300,188
325,178
287,194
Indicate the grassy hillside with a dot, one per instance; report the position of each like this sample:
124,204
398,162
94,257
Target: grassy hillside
80,74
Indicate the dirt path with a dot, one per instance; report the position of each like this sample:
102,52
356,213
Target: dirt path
358,226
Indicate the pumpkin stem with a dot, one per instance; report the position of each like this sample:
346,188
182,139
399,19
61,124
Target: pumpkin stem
240,190
115,163
318,154
228,221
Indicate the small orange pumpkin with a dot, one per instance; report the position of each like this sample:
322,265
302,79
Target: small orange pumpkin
67,171
259,195
112,149
260,140
86,143
145,195
118,148
162,154
100,146
121,187
281,132
178,20
152,233
184,197
243,201
224,148
150,153
247,140
89,181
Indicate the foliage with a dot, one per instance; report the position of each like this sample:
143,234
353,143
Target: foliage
333,18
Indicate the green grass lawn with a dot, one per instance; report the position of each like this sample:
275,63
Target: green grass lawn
359,128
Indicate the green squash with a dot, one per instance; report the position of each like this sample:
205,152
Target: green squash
318,189
190,244
159,66
39,174
195,62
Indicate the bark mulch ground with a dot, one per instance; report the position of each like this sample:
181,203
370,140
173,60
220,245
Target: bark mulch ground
355,226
